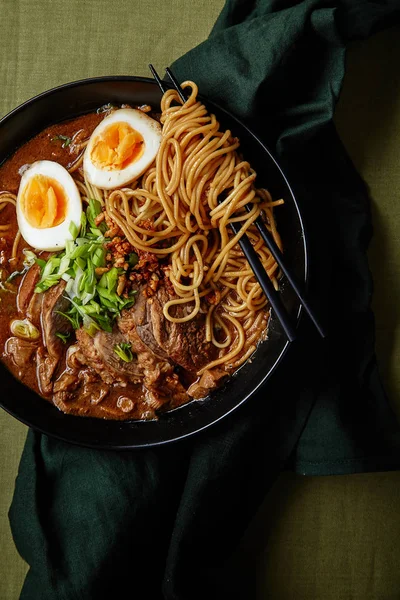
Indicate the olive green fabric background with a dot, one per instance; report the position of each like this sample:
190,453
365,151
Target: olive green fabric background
327,538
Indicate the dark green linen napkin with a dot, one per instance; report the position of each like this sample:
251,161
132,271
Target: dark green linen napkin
161,523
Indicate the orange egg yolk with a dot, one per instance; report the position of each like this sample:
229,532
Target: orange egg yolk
44,202
116,147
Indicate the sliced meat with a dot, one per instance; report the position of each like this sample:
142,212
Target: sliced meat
147,358
52,322
34,310
164,389
28,302
74,357
162,383
209,380
27,288
49,358
20,351
183,343
41,310
81,391
72,395
77,389
67,382
137,319
46,366
98,353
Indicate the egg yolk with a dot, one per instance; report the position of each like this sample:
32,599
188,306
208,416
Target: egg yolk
116,147
44,202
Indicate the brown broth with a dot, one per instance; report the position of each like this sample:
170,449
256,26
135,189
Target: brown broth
46,146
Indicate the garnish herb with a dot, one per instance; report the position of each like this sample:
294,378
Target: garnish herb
63,336
123,350
71,318
74,230
41,263
94,299
93,211
64,138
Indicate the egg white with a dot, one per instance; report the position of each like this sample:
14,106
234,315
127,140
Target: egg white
149,129
50,238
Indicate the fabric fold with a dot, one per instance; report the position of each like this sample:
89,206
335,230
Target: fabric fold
162,522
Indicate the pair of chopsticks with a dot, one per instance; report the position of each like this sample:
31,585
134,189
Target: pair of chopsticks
252,257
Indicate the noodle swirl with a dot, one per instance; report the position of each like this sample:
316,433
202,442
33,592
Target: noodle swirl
181,210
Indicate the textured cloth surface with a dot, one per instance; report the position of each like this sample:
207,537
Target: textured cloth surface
67,495
51,42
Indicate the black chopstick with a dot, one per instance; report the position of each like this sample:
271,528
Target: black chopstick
267,286
244,242
176,84
161,85
278,256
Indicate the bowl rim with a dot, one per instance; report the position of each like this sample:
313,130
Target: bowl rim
305,279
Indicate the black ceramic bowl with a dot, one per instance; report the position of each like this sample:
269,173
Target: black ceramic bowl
80,97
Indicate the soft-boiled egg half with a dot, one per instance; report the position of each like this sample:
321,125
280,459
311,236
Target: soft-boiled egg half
121,148
48,202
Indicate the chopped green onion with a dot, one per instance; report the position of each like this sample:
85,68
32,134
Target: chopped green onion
104,293
83,224
94,300
64,138
88,323
93,210
51,266
41,263
72,318
96,231
24,329
81,250
107,278
86,297
80,262
90,277
90,326
74,230
69,247
64,265
99,257
63,336
124,352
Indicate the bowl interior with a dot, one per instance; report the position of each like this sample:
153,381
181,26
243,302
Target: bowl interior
71,100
